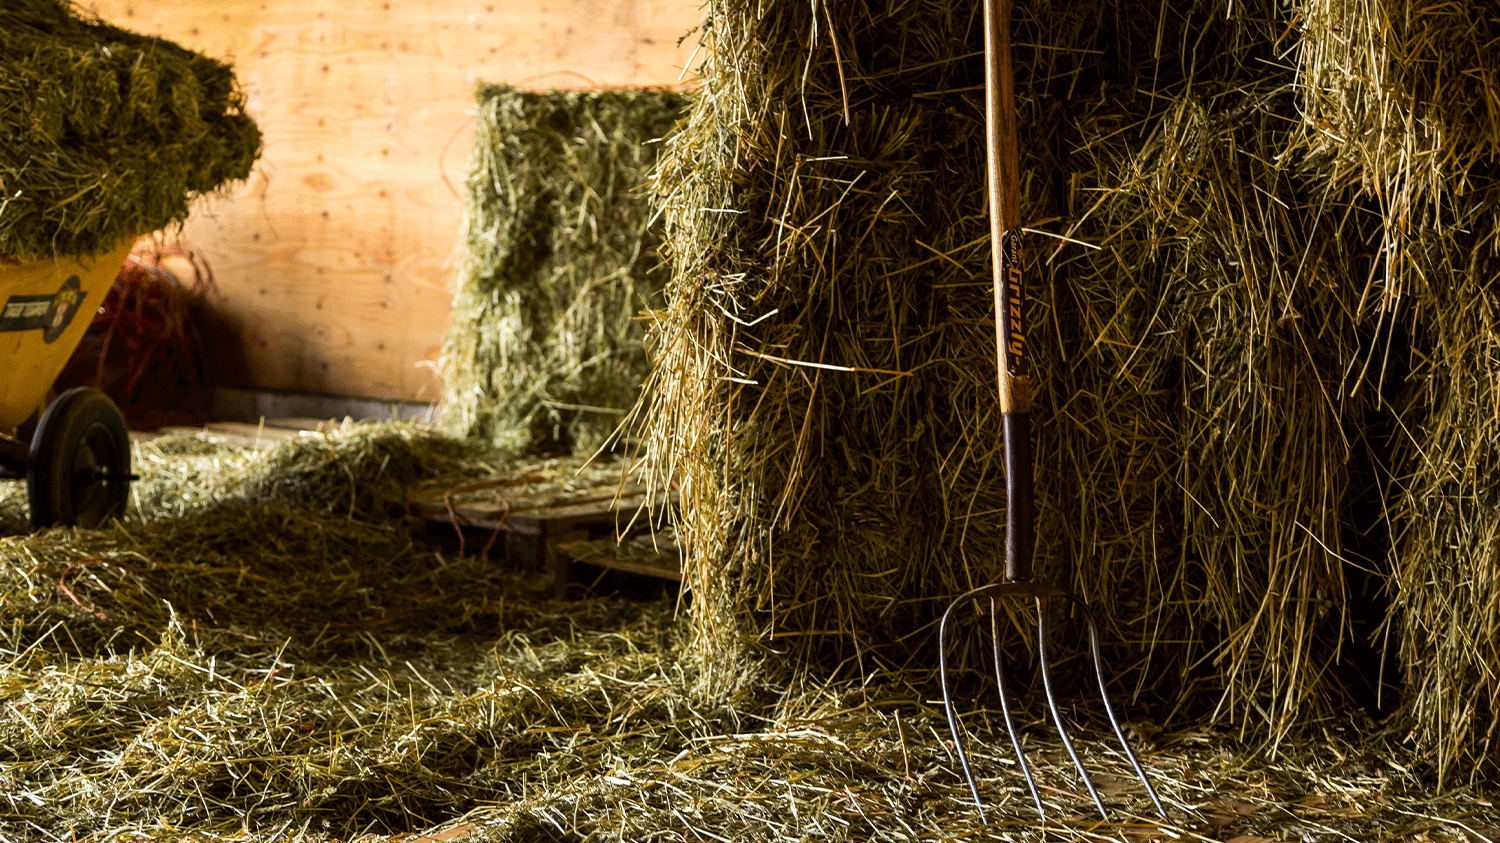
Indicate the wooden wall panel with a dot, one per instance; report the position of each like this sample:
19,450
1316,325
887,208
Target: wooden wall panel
335,260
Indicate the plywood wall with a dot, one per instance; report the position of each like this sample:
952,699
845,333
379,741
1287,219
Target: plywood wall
335,260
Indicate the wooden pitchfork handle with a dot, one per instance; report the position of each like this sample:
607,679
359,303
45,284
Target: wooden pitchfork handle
1003,170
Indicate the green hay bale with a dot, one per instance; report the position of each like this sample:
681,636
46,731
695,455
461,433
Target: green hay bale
559,256
106,134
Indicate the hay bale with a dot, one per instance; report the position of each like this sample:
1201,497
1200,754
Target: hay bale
1403,99
823,393
1402,96
814,394
1249,267
106,134
1446,593
559,254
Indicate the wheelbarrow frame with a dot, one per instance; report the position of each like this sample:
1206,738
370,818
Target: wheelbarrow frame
77,460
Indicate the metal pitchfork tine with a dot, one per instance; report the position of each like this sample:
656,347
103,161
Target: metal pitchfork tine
1003,174
1039,592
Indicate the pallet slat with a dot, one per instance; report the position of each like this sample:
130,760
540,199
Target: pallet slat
256,432
537,527
635,557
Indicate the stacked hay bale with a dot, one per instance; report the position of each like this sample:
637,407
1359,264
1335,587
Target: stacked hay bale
559,254
1406,103
1246,264
105,134
823,395
816,396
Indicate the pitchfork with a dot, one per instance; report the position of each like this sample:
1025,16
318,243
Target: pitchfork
1003,169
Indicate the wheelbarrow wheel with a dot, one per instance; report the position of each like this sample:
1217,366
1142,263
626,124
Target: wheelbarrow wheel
79,471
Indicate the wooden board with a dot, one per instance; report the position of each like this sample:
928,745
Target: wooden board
334,259
640,556
535,524
258,433
262,436
608,507
303,423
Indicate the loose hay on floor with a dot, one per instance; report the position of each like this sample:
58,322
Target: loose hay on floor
265,650
234,669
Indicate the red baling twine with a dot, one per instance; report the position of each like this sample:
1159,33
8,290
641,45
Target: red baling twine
143,347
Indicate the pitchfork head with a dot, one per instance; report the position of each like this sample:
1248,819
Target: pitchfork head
1043,595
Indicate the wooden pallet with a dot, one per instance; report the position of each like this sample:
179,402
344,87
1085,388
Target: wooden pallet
545,515
553,531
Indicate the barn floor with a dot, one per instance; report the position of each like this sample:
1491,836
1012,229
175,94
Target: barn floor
263,652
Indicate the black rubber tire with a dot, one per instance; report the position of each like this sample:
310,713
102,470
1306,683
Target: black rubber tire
79,472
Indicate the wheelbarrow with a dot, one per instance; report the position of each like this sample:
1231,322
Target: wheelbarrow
77,461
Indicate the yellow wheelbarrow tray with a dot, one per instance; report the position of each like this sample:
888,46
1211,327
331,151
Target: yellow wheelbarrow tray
77,463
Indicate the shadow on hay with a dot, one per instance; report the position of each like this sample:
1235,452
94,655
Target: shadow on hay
246,657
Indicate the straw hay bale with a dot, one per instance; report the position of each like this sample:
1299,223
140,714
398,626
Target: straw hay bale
106,134
1249,267
1402,97
1446,583
823,394
559,255
812,380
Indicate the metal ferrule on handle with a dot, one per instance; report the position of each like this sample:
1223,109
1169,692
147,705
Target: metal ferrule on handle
1003,175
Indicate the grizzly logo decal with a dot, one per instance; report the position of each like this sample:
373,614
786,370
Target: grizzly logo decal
49,314
1013,321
